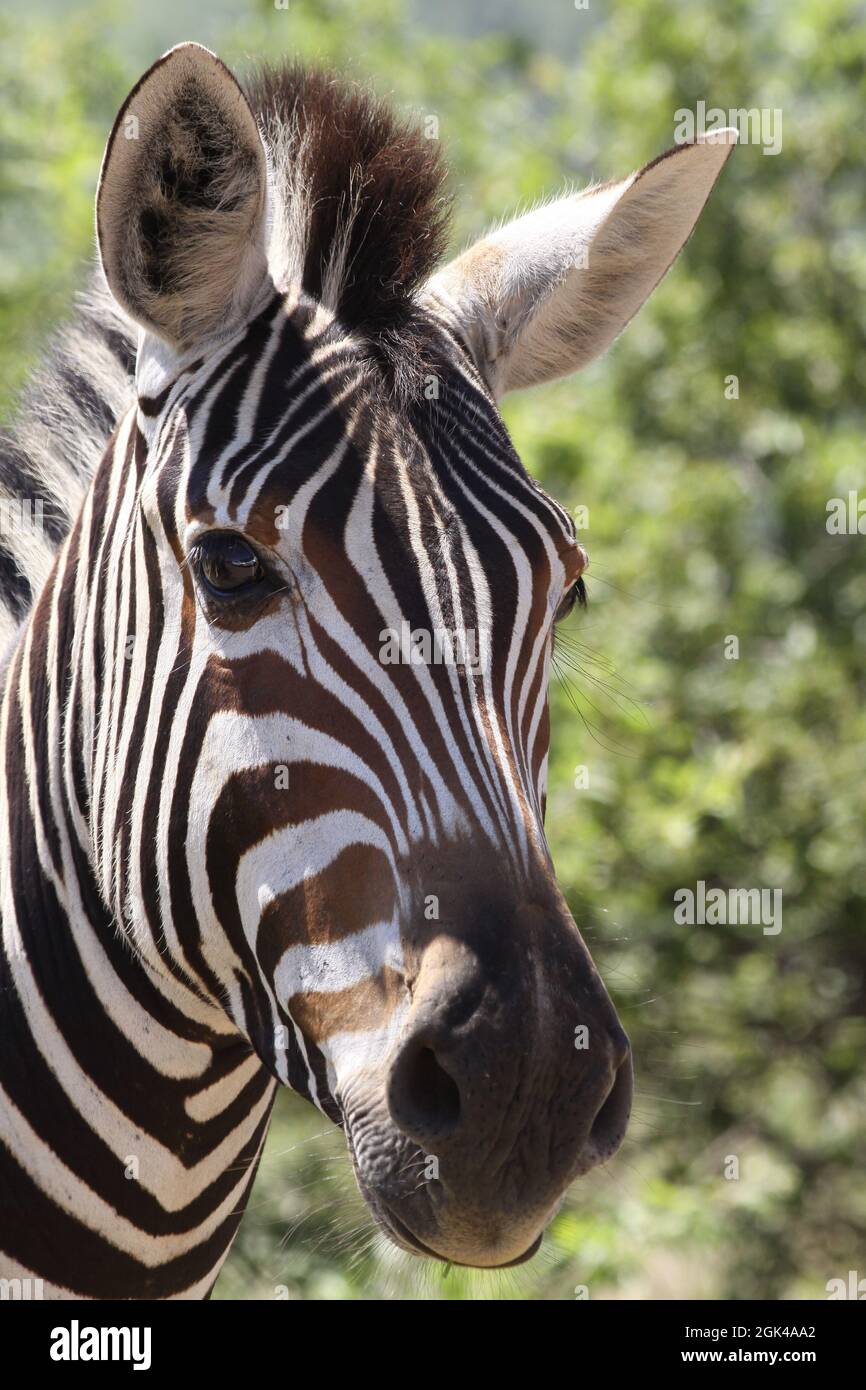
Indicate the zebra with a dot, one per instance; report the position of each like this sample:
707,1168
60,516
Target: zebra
251,834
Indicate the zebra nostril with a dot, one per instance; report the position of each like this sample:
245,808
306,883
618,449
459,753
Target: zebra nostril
423,1099
610,1122
620,1044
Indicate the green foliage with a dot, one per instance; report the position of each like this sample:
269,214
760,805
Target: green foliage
60,91
706,520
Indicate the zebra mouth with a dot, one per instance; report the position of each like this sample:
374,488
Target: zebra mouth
400,1234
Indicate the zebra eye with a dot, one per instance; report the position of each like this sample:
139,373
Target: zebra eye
227,563
576,594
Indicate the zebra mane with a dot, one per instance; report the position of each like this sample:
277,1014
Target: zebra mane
358,213
65,417
358,218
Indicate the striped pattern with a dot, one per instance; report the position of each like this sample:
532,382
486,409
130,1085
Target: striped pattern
179,931
242,845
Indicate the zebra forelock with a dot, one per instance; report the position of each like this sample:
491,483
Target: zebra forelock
359,215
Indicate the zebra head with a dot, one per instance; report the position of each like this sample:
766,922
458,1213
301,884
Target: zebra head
322,770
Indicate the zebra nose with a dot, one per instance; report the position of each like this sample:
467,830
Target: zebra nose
430,1080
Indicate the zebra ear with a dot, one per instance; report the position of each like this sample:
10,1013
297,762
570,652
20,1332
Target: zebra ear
180,209
547,293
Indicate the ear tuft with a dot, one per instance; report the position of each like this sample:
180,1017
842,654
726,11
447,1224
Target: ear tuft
180,209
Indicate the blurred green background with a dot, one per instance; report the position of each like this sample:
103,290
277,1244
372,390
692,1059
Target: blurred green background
706,520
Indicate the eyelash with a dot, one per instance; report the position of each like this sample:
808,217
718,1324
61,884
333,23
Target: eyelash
575,595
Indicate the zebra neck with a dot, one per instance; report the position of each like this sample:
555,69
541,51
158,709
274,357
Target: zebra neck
132,1112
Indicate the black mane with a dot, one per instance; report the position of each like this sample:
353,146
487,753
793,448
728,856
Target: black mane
374,188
